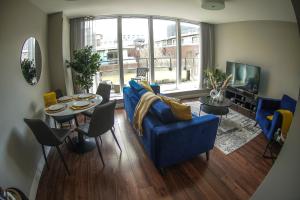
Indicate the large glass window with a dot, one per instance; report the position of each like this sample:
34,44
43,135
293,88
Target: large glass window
103,35
135,37
106,44
164,36
190,58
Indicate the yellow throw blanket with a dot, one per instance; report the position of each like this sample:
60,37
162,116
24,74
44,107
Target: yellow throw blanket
287,117
141,110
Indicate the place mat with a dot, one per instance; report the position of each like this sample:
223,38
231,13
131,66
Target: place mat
65,101
55,111
88,98
82,108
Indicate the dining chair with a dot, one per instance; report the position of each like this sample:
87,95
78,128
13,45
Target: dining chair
62,119
141,74
102,121
104,91
49,137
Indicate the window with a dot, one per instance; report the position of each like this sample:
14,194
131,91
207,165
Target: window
135,49
164,36
190,58
171,74
105,31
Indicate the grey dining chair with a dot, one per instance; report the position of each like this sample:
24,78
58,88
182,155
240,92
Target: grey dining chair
49,137
62,119
104,91
102,121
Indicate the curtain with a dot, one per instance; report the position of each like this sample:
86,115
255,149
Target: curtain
77,34
82,35
207,49
90,40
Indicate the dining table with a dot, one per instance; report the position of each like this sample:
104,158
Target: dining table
74,105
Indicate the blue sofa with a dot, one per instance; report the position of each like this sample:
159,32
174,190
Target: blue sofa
166,140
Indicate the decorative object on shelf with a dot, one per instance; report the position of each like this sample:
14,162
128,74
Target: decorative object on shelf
219,82
85,63
31,61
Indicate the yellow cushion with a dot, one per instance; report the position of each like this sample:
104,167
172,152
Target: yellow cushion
287,117
167,99
50,99
181,111
146,85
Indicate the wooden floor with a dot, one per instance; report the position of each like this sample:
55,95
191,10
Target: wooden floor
132,175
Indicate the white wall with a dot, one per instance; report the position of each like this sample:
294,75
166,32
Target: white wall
19,151
275,46
59,52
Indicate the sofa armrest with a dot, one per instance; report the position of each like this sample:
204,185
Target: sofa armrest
275,124
268,104
184,140
155,87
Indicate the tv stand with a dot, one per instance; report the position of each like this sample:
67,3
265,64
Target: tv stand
243,101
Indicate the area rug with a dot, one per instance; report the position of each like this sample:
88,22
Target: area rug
234,131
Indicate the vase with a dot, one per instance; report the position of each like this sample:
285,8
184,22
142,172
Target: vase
217,95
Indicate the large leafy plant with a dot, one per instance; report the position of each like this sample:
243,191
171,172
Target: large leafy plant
217,78
85,63
29,70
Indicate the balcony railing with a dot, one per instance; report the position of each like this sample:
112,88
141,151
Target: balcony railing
164,69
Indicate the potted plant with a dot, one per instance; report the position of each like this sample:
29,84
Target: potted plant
85,64
218,81
29,70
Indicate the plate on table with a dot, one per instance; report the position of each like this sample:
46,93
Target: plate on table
85,96
56,107
81,103
65,98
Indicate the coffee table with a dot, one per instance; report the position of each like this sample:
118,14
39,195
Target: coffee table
210,106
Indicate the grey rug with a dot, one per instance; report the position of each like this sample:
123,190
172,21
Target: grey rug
234,131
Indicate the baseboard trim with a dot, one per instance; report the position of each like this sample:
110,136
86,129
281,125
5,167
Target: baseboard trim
37,176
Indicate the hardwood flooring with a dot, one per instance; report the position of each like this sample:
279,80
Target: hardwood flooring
131,175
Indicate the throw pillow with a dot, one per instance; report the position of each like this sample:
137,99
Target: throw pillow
146,85
135,86
181,111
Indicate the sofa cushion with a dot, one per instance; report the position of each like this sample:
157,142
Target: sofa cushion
146,85
135,86
163,112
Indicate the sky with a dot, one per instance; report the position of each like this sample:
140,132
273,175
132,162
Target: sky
132,26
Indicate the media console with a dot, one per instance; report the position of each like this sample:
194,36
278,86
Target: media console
242,99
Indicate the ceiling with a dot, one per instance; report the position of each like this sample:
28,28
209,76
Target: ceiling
235,10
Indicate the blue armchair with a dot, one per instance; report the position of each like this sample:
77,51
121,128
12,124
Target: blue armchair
268,106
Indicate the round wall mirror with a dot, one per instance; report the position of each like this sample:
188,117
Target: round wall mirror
31,61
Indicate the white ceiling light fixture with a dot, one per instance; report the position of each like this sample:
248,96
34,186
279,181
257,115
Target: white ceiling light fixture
213,4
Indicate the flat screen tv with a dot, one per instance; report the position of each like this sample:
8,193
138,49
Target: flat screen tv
244,76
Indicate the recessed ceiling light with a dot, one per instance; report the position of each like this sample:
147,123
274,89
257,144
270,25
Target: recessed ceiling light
213,4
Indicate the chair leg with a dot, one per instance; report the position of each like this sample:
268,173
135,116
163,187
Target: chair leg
99,151
207,155
70,140
63,160
45,157
100,139
113,133
269,147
